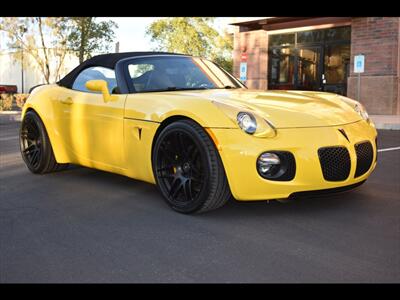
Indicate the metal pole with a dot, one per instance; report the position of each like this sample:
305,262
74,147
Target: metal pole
22,70
359,87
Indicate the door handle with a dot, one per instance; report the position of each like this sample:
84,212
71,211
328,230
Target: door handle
67,100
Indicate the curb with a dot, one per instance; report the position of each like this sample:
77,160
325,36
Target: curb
387,126
9,117
389,122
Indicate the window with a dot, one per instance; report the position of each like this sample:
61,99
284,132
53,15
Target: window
281,39
313,36
337,64
282,63
338,34
95,73
163,73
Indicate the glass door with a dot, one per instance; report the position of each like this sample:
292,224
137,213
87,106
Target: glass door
308,68
281,68
336,68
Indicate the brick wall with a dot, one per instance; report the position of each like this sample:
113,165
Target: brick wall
378,39
255,44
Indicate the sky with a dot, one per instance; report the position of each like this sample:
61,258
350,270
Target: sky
131,31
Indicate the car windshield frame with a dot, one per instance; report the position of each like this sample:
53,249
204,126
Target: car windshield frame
122,70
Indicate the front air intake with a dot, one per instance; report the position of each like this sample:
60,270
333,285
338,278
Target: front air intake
335,163
365,155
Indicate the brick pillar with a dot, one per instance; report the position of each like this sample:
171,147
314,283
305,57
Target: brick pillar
378,39
255,44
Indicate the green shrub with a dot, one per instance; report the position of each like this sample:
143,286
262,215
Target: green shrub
20,99
6,101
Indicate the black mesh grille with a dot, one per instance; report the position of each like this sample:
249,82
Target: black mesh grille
335,163
365,156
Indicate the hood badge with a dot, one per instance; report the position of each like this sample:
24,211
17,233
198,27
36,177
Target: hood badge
344,134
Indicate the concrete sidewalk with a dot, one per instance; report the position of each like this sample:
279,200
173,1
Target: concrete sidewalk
386,121
10,116
381,121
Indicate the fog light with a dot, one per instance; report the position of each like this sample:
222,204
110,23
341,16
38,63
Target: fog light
268,164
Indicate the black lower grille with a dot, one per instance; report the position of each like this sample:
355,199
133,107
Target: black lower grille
326,192
365,155
335,163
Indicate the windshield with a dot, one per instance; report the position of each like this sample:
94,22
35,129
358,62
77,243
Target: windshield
172,73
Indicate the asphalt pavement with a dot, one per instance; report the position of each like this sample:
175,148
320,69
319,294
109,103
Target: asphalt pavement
84,225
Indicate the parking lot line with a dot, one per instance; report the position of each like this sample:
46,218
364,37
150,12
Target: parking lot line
389,149
3,139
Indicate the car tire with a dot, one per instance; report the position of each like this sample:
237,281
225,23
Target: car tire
35,146
188,169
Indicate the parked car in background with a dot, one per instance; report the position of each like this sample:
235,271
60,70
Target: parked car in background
8,89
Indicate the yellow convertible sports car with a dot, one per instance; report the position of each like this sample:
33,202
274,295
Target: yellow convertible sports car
195,131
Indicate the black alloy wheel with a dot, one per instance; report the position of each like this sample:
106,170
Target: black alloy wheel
35,146
31,143
188,169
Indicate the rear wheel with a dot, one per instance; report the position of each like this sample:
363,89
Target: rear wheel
188,169
35,146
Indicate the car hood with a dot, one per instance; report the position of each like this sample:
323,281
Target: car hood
288,109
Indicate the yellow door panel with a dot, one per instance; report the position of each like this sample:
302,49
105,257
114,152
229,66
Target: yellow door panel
91,129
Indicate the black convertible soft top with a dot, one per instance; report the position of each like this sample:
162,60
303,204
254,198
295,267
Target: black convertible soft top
104,60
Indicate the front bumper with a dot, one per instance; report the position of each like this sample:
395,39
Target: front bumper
239,152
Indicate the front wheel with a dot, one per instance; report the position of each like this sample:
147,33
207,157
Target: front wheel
188,170
35,146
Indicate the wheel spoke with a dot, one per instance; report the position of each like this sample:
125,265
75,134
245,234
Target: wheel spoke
166,176
196,171
167,154
167,167
194,153
33,130
35,156
181,145
188,190
28,149
175,187
24,134
197,180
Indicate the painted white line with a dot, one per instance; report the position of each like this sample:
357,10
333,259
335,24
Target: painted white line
389,149
8,138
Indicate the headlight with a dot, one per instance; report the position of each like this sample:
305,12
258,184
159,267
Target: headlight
247,119
360,109
357,106
247,122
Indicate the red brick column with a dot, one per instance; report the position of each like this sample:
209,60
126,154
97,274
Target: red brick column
378,39
255,44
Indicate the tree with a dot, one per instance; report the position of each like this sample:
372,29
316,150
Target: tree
87,36
194,36
40,38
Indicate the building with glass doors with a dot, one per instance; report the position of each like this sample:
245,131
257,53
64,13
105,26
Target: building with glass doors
317,53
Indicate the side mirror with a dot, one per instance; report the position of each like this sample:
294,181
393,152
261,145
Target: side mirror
100,86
